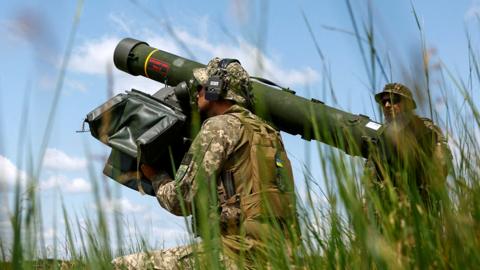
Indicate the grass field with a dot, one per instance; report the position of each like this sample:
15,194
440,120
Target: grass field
353,230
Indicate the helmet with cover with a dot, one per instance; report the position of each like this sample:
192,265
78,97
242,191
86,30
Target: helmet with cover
397,89
233,79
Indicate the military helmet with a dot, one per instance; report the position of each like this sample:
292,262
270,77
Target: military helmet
234,77
397,89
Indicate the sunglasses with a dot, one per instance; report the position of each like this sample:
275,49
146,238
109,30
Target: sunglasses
392,99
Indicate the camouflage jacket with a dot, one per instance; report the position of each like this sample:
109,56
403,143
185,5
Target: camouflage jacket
210,149
417,155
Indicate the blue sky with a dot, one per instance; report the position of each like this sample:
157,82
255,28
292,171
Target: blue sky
269,37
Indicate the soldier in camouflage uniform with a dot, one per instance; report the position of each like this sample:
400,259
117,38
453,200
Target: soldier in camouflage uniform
235,180
417,157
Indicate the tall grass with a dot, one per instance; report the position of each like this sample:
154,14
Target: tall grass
348,225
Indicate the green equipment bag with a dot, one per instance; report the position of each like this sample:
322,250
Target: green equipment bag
140,129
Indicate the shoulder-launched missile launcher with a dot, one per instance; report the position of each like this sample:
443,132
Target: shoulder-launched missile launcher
312,119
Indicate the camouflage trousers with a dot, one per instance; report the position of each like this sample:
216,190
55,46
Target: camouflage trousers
183,257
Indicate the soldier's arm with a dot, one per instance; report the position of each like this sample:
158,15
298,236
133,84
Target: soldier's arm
442,156
201,165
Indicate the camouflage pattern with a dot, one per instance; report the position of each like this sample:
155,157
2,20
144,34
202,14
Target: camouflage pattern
419,158
178,258
398,89
236,78
173,258
216,141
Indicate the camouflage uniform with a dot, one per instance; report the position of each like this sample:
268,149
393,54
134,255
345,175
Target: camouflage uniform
223,159
417,157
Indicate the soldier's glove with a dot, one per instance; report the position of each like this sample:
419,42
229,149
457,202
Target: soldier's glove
158,178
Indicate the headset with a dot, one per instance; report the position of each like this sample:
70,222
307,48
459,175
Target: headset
216,84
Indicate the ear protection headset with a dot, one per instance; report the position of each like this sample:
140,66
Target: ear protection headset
216,84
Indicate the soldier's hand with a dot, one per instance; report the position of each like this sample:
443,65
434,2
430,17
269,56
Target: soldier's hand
148,171
157,177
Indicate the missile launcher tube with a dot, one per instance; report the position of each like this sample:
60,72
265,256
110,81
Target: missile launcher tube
290,113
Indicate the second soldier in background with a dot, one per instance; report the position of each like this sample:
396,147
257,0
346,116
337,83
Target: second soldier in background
417,157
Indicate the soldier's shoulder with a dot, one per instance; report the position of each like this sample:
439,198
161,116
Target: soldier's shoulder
224,125
428,123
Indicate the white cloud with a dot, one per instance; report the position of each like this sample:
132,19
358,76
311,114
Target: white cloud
256,62
49,234
94,57
124,205
9,174
76,185
57,160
